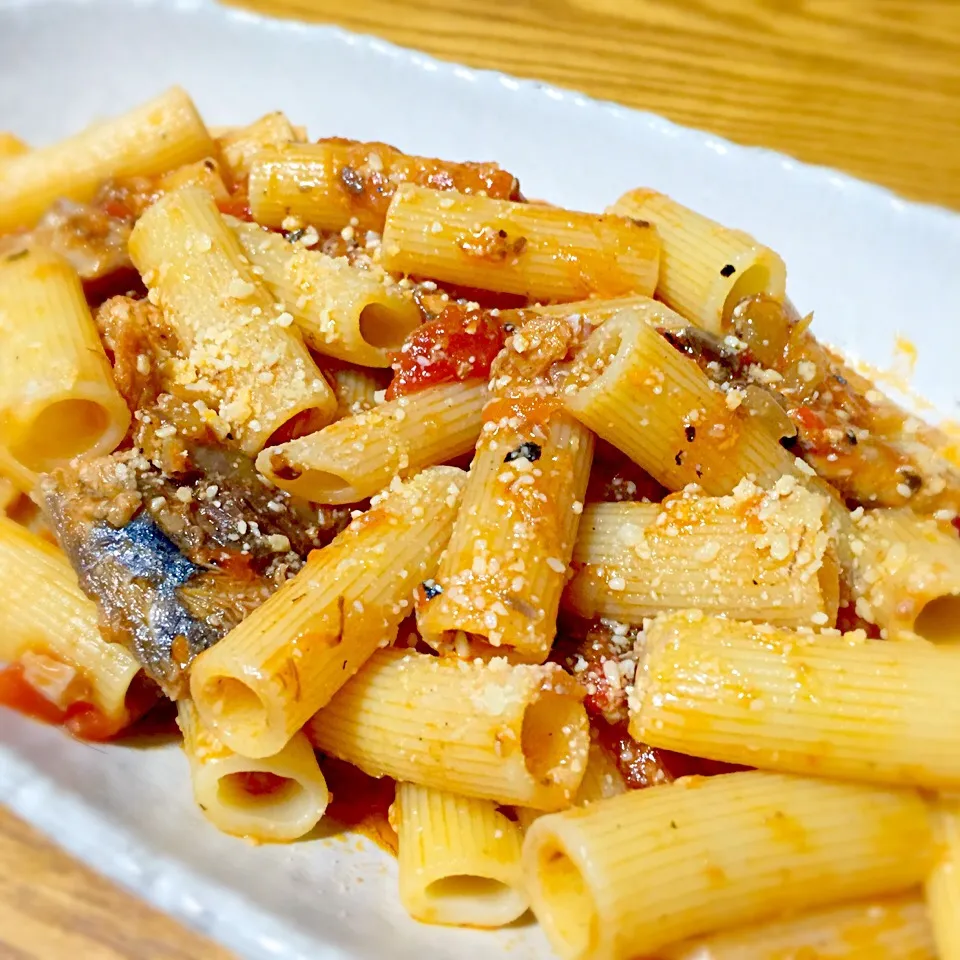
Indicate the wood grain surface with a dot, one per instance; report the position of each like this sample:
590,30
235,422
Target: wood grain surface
868,86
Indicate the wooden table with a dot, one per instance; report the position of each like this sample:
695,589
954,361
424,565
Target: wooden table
869,86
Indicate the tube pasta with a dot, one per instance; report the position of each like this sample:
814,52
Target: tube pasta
239,146
45,612
906,574
270,674
360,316
271,799
338,183
755,555
157,136
628,876
514,734
501,577
357,389
705,269
830,705
543,253
895,928
459,859
359,455
240,355
58,399
943,883
631,387
601,780
11,146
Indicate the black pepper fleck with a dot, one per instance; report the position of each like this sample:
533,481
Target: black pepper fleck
294,235
351,180
431,589
690,432
528,451
678,459
852,438
728,271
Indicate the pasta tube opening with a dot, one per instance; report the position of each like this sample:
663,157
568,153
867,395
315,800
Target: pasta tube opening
569,906
544,753
468,888
939,620
62,430
237,706
379,327
753,281
256,790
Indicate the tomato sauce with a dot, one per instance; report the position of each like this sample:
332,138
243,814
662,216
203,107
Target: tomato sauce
83,720
459,345
361,803
260,783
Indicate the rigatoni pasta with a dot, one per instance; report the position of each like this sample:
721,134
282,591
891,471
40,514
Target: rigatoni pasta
631,387
840,706
155,137
57,395
265,679
343,184
627,876
45,614
459,859
516,734
893,928
241,354
705,269
943,882
540,252
500,581
540,525
361,316
360,454
270,799
753,555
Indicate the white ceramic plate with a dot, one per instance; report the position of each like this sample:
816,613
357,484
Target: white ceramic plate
870,264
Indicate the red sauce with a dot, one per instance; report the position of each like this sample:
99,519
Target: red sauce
237,205
260,783
644,766
83,720
531,410
457,346
359,802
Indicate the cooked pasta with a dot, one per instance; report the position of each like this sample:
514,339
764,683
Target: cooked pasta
45,617
624,877
841,705
906,574
265,679
361,316
270,799
501,578
754,555
342,184
243,358
541,252
705,269
559,530
151,139
516,734
943,882
459,859
58,399
630,386
360,454
894,928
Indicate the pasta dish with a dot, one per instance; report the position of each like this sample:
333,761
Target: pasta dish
553,548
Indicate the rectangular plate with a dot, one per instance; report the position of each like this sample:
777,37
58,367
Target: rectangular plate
870,264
